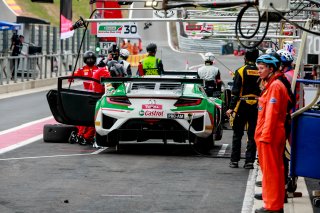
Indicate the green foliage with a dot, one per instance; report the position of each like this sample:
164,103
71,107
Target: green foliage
51,12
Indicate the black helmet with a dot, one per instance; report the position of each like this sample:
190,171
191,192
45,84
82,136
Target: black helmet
152,48
89,58
252,55
114,51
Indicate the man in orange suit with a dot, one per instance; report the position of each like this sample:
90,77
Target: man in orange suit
275,102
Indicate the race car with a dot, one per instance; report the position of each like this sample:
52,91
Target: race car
168,107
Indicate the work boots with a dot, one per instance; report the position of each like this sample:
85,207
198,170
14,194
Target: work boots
73,137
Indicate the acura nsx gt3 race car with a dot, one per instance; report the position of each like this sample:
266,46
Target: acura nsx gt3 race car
138,109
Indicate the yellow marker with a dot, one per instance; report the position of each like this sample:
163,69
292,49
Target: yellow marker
210,127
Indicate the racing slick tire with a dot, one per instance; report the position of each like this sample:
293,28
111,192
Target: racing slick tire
225,104
57,133
110,140
204,144
219,122
219,133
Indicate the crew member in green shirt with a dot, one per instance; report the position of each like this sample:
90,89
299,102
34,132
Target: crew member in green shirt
150,65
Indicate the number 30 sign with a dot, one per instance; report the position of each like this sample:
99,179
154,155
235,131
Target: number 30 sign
120,30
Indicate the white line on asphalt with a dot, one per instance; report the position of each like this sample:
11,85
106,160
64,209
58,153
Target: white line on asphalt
20,144
14,12
169,39
130,11
99,150
38,157
248,200
223,149
196,67
202,55
55,156
122,195
25,125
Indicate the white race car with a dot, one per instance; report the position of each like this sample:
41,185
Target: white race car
137,109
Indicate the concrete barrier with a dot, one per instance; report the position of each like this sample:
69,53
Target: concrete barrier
31,84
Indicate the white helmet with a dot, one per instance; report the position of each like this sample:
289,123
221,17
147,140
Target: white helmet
270,50
260,53
209,56
124,53
286,57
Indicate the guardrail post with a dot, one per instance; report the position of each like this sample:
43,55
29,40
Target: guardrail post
54,40
78,40
88,41
48,40
5,43
40,36
33,33
1,71
61,56
45,66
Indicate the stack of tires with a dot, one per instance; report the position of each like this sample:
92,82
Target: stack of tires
57,133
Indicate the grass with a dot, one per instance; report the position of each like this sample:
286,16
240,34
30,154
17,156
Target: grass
51,12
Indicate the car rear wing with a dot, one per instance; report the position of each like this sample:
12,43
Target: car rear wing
152,79
181,73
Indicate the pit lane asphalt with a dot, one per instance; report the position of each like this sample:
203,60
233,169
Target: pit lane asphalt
61,177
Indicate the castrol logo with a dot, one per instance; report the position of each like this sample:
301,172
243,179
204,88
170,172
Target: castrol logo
151,113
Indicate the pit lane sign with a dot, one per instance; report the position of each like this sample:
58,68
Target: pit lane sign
119,30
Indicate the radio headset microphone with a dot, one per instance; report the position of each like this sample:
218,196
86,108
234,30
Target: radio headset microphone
78,24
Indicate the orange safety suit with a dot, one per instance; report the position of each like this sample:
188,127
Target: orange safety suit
86,71
87,132
101,72
270,137
140,45
135,49
129,47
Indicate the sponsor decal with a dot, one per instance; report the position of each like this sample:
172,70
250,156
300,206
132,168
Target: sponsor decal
151,113
259,108
273,100
253,72
152,106
114,29
152,71
110,29
175,116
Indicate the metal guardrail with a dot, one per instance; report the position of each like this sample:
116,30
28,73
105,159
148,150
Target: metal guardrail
32,67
